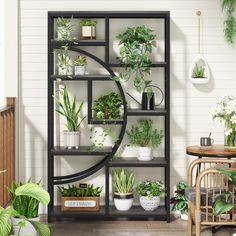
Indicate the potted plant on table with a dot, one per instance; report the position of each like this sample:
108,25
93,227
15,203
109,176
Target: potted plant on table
69,110
150,192
86,197
80,65
146,137
179,201
123,182
137,44
108,106
88,29
64,61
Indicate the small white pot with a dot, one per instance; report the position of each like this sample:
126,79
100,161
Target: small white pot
145,154
64,71
123,202
63,33
25,231
71,139
184,216
149,204
79,70
88,32
204,80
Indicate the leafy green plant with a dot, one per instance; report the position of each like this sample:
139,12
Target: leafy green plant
199,72
74,191
63,59
123,181
179,201
230,22
136,46
70,111
80,61
108,106
64,29
150,188
88,22
144,135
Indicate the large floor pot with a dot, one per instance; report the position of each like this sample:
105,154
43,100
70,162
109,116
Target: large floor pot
25,231
71,139
149,204
123,202
145,154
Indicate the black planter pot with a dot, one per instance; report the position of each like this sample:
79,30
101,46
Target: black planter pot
148,103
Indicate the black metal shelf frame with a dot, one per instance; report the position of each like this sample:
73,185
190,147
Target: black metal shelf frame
107,211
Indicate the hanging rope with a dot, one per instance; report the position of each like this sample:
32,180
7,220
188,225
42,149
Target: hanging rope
198,13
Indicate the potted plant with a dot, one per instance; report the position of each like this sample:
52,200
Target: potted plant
86,197
146,137
108,106
123,182
179,201
69,110
80,65
150,192
137,44
64,61
64,29
23,213
198,75
88,29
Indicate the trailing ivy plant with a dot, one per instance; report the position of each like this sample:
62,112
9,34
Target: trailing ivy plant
230,23
137,44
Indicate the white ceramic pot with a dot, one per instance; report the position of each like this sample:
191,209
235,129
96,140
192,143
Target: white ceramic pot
25,231
64,71
204,80
71,139
149,204
123,202
88,32
184,216
79,70
145,154
62,33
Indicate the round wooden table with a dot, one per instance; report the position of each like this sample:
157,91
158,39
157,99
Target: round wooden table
212,151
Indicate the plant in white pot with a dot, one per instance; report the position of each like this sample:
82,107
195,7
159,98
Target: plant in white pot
80,65
64,64
123,183
88,29
146,137
64,29
150,192
23,215
69,110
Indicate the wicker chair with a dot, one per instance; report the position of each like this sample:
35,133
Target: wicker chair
205,182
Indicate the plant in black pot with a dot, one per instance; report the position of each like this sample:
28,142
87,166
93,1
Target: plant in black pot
137,44
108,106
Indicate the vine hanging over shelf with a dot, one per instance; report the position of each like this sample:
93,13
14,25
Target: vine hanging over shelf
230,22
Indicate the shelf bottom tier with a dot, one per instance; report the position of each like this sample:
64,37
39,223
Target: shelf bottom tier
136,212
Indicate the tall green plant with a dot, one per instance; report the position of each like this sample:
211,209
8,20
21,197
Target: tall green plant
70,111
230,23
123,181
144,135
136,46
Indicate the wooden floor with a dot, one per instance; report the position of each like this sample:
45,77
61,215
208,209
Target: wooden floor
128,228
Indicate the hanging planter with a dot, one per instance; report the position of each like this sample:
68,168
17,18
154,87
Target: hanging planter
199,72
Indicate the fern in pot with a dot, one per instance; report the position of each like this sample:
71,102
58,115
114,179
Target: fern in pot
80,65
123,183
71,112
146,137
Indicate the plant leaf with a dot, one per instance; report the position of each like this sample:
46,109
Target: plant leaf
42,229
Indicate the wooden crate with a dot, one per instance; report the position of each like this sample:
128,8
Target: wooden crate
80,203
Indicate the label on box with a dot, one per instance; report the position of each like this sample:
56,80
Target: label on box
85,203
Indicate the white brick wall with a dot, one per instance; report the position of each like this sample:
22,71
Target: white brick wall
190,113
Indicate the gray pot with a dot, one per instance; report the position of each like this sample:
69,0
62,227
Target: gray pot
79,70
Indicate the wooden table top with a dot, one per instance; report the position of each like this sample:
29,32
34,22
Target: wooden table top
212,151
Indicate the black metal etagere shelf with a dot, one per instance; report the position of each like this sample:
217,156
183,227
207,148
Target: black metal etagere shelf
107,211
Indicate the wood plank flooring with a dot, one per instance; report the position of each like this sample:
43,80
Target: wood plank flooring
127,228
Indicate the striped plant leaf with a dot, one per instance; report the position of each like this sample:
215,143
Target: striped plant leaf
5,220
42,229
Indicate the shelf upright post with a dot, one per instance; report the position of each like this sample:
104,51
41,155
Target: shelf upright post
107,32
90,100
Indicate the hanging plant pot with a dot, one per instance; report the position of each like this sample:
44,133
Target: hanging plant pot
199,72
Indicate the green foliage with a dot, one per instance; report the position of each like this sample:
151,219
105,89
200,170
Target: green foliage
64,29
88,22
5,220
144,135
136,46
69,110
230,22
108,106
42,229
179,201
123,181
63,59
199,72
80,61
150,188
74,191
